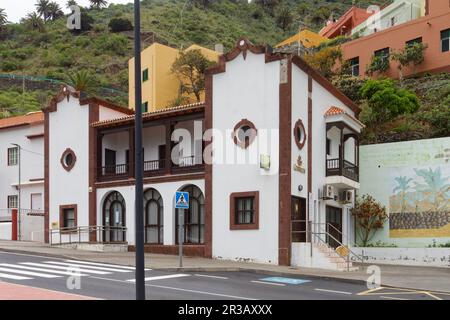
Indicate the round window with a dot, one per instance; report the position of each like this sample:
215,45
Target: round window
300,134
244,133
68,159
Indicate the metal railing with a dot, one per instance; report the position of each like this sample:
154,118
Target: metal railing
340,167
315,234
84,234
188,161
118,169
154,165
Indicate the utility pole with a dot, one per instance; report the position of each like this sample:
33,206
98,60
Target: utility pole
139,192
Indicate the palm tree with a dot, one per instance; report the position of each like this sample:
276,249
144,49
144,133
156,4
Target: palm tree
71,3
436,187
34,21
82,81
98,4
3,19
54,11
42,8
402,187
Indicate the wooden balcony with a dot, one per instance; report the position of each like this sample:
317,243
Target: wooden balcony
340,167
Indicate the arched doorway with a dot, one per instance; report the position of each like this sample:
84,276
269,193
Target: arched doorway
154,216
194,217
114,218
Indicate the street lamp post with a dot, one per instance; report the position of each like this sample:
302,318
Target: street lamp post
139,192
19,234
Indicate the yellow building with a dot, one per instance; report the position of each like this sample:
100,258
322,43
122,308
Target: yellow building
307,37
160,86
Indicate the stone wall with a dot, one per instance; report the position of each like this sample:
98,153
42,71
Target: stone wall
418,220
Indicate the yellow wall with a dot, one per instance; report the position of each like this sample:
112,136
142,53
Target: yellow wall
163,86
307,37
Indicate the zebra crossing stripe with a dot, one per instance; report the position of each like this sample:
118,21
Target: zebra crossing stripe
104,265
67,268
73,264
13,277
29,273
66,273
170,276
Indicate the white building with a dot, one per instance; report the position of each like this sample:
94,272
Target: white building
22,148
283,172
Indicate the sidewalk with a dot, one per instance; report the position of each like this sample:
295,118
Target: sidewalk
10,291
421,278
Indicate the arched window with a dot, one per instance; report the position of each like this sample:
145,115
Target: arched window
194,217
114,218
154,216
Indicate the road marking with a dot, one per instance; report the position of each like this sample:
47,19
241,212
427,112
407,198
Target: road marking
180,289
285,280
333,291
13,277
169,276
73,264
269,283
210,276
432,295
29,273
370,291
65,268
67,273
392,298
104,265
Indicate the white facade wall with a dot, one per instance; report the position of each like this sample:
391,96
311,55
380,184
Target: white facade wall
249,89
167,191
5,230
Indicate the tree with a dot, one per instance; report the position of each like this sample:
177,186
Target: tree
411,54
98,4
268,5
204,3
190,67
42,8
370,216
3,18
70,3
403,185
54,11
324,60
386,100
34,21
436,188
82,81
377,65
120,24
284,17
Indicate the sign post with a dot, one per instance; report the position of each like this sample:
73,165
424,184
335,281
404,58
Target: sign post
181,203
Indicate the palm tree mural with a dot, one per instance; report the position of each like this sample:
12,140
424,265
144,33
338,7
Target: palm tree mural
402,187
436,188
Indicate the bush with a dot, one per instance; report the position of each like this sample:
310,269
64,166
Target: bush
120,25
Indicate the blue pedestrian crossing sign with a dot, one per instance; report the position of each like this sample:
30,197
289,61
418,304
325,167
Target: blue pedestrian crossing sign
182,200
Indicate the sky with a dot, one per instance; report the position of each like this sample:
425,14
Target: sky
17,9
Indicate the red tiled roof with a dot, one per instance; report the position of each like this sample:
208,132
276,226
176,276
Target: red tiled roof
17,121
166,112
333,111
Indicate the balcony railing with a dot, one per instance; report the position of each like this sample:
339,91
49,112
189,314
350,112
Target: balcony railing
154,165
189,163
115,170
340,167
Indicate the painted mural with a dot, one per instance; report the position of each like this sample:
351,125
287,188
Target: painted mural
419,202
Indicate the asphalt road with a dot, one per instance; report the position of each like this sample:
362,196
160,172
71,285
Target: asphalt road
108,281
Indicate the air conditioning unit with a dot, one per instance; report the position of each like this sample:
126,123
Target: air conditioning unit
328,192
347,196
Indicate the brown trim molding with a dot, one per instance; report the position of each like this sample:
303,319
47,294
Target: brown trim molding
35,136
299,126
150,180
94,114
66,166
61,215
234,135
237,195
284,175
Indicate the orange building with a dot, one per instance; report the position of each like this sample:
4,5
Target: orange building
344,25
433,29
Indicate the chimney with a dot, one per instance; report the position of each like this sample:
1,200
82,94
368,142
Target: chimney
219,48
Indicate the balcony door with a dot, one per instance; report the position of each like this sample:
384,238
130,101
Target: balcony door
334,226
298,219
110,161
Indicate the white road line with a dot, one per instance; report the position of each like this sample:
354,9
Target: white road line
104,265
270,283
29,273
13,277
181,289
169,276
392,298
334,291
73,264
210,276
66,273
68,268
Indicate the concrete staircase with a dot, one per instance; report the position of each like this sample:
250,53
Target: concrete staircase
325,257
